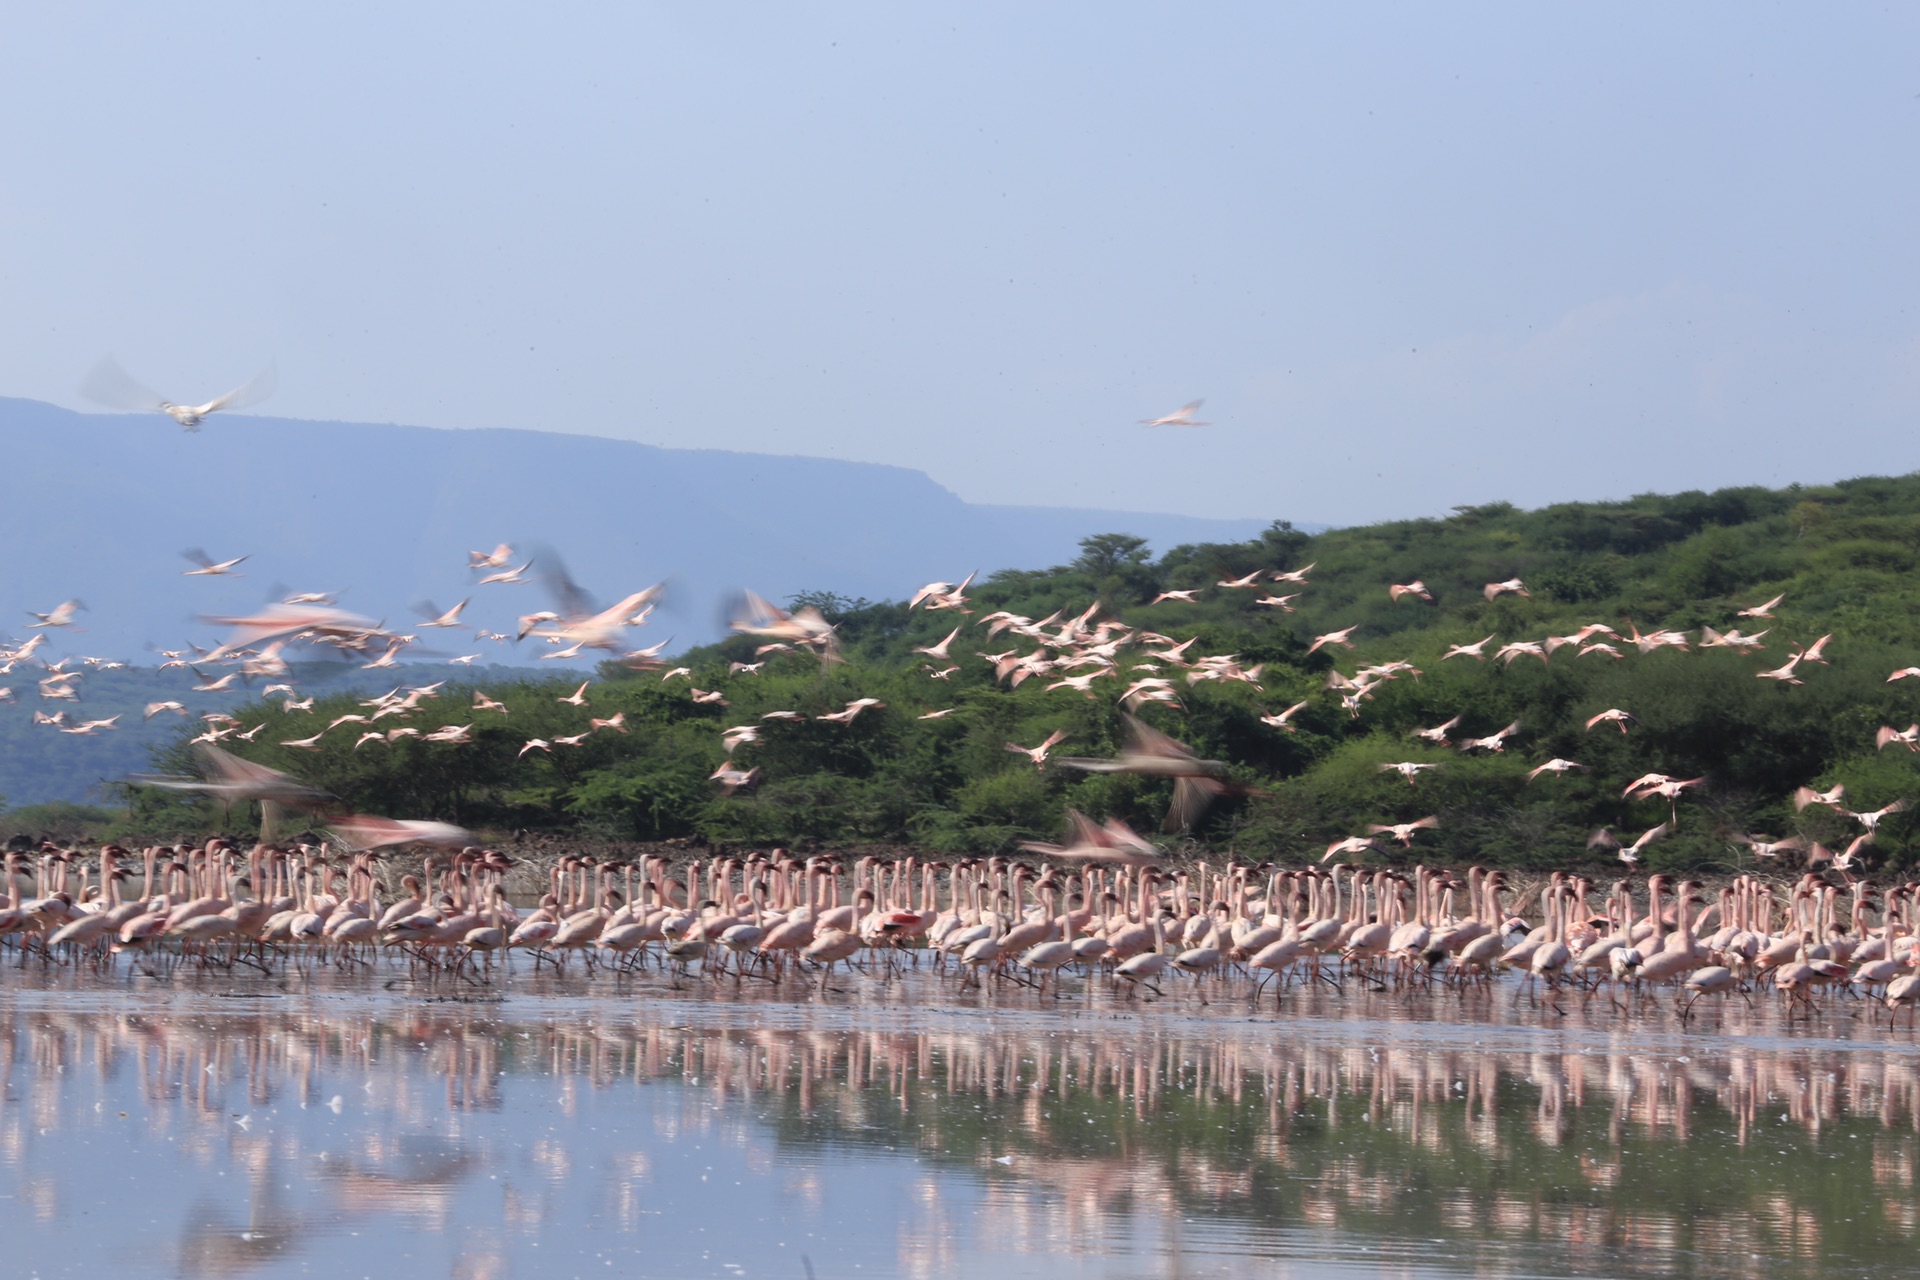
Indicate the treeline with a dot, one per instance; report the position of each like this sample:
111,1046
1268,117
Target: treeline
1843,555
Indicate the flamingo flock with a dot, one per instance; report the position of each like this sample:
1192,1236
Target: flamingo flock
1100,909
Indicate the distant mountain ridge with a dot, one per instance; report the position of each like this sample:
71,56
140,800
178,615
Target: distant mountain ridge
103,505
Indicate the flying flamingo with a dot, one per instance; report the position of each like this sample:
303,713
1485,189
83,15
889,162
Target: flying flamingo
1296,576
1908,737
451,618
1512,586
1438,734
1181,417
1352,844
208,568
1475,650
1402,831
1765,848
1762,610
1845,861
1340,638
111,385
1282,720
1282,603
1039,754
1249,583
1495,742
1614,716
60,616
1804,796
1784,674
1871,821
1186,597
935,592
939,650
508,575
1555,766
1408,769
853,709
1149,752
1814,652
1669,788
1113,842
1629,854
1416,589
732,779
1520,649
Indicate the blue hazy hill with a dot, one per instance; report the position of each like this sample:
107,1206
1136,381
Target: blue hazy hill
103,505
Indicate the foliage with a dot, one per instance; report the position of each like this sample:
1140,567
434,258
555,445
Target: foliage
1683,561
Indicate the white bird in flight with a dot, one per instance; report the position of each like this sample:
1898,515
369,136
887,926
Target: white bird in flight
209,568
111,385
1181,417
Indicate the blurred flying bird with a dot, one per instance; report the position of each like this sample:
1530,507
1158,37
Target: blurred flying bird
1181,417
112,386
208,567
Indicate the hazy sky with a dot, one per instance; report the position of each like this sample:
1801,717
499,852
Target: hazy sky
1413,256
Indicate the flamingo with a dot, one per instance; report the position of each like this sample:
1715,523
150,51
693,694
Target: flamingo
1417,589
1438,734
1804,796
1762,610
1629,854
1181,417
507,576
450,618
1402,831
1512,586
1341,638
1555,766
1476,650
1764,848
1871,821
1039,754
208,567
1613,716
1908,737
1408,769
1352,844
1494,742
1283,720
939,650
110,385
1814,652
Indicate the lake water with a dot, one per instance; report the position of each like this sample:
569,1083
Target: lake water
360,1125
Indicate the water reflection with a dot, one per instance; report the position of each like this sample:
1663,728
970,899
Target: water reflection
243,1138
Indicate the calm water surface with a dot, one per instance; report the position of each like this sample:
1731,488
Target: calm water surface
213,1126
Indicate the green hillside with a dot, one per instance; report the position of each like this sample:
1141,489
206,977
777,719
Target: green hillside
1843,555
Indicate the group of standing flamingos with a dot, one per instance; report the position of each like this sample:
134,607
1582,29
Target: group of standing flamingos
993,919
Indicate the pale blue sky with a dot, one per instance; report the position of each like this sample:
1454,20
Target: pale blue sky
1412,256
